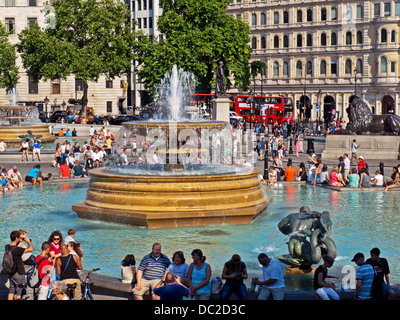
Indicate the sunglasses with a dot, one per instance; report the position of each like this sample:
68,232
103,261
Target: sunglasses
56,238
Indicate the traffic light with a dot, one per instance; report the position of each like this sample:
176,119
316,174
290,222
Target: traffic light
334,105
297,104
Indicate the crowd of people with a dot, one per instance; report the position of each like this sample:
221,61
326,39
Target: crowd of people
61,259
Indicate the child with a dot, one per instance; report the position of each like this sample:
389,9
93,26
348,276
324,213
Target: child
128,270
377,181
70,236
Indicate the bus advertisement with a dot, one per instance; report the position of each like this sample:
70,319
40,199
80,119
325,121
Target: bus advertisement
267,110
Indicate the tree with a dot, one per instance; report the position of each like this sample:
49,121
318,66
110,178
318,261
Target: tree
9,74
196,35
89,39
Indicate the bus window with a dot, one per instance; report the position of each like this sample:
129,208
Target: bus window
245,111
288,102
279,113
241,99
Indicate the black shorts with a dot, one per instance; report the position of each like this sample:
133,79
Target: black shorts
28,179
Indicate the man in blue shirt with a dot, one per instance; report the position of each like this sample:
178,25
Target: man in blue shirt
35,175
173,289
273,283
364,276
150,272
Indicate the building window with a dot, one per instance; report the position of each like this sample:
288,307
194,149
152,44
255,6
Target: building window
377,10
276,17
323,14
323,67
323,39
276,42
56,86
276,69
299,16
139,5
31,21
254,43
263,18
387,9
393,67
347,67
333,13
109,84
309,68
299,40
144,4
359,66
253,19
333,66
333,39
397,8
33,86
349,13
359,37
285,69
393,36
348,37
139,23
144,23
285,41
78,85
285,17
10,25
32,3
383,65
109,106
299,68
309,15
263,43
360,12
309,40
383,36
9,3
151,22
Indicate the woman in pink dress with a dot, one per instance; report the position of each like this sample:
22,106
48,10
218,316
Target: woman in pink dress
297,145
335,180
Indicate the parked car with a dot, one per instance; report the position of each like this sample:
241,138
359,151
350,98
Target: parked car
123,118
92,119
58,115
233,116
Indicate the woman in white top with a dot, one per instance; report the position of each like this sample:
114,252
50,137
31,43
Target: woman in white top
3,145
25,149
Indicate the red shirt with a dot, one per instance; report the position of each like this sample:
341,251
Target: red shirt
43,267
64,171
361,164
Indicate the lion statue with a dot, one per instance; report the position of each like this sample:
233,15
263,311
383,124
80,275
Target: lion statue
363,122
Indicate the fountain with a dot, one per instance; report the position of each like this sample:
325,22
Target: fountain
187,177
19,122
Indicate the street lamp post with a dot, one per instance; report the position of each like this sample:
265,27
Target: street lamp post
46,102
355,82
251,97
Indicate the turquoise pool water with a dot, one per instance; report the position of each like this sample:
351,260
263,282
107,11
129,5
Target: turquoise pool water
361,221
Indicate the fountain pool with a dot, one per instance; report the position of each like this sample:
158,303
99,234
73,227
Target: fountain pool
361,221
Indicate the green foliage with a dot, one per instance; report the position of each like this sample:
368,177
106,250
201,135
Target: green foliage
89,39
9,74
196,35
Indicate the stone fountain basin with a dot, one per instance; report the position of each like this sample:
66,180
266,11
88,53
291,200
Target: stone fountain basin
174,199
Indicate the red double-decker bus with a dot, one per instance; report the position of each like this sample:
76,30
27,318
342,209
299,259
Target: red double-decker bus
265,109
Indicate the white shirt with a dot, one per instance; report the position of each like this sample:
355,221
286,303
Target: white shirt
379,180
346,162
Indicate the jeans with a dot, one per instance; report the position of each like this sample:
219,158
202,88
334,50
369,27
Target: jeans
239,289
326,293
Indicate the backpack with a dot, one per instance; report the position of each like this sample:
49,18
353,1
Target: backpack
33,275
8,260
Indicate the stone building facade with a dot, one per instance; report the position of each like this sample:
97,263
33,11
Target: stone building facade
326,51
104,97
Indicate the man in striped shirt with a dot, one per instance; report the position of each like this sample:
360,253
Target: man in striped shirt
364,276
150,272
